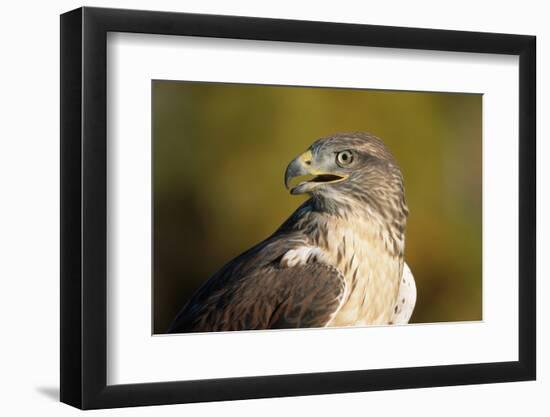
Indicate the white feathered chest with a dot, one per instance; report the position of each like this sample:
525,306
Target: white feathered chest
379,287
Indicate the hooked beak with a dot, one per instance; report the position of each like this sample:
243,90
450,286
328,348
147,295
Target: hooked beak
302,166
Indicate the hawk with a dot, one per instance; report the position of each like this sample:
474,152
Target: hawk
337,261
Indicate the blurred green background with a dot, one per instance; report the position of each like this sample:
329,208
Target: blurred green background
220,151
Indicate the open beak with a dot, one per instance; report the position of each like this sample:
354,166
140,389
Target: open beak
302,166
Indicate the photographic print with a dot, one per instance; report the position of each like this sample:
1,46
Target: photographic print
284,207
330,185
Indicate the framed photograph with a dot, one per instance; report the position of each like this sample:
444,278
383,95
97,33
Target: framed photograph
257,208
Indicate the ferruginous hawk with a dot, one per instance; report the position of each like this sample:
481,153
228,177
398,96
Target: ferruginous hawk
337,261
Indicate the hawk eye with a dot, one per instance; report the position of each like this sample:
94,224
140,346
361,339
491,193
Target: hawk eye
344,158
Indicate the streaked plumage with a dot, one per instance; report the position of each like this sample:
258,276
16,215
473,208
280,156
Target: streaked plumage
337,261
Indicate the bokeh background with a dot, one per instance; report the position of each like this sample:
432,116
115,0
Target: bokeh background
219,155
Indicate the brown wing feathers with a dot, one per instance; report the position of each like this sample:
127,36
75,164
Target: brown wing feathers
250,293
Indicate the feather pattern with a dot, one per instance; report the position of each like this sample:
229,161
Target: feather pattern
337,261
271,286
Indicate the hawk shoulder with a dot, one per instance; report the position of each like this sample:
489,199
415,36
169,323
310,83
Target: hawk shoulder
406,298
281,283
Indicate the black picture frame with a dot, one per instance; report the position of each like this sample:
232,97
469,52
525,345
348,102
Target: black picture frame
84,207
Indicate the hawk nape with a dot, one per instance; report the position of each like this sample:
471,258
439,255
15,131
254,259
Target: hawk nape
338,259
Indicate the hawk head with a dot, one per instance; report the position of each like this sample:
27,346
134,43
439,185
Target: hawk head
349,169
